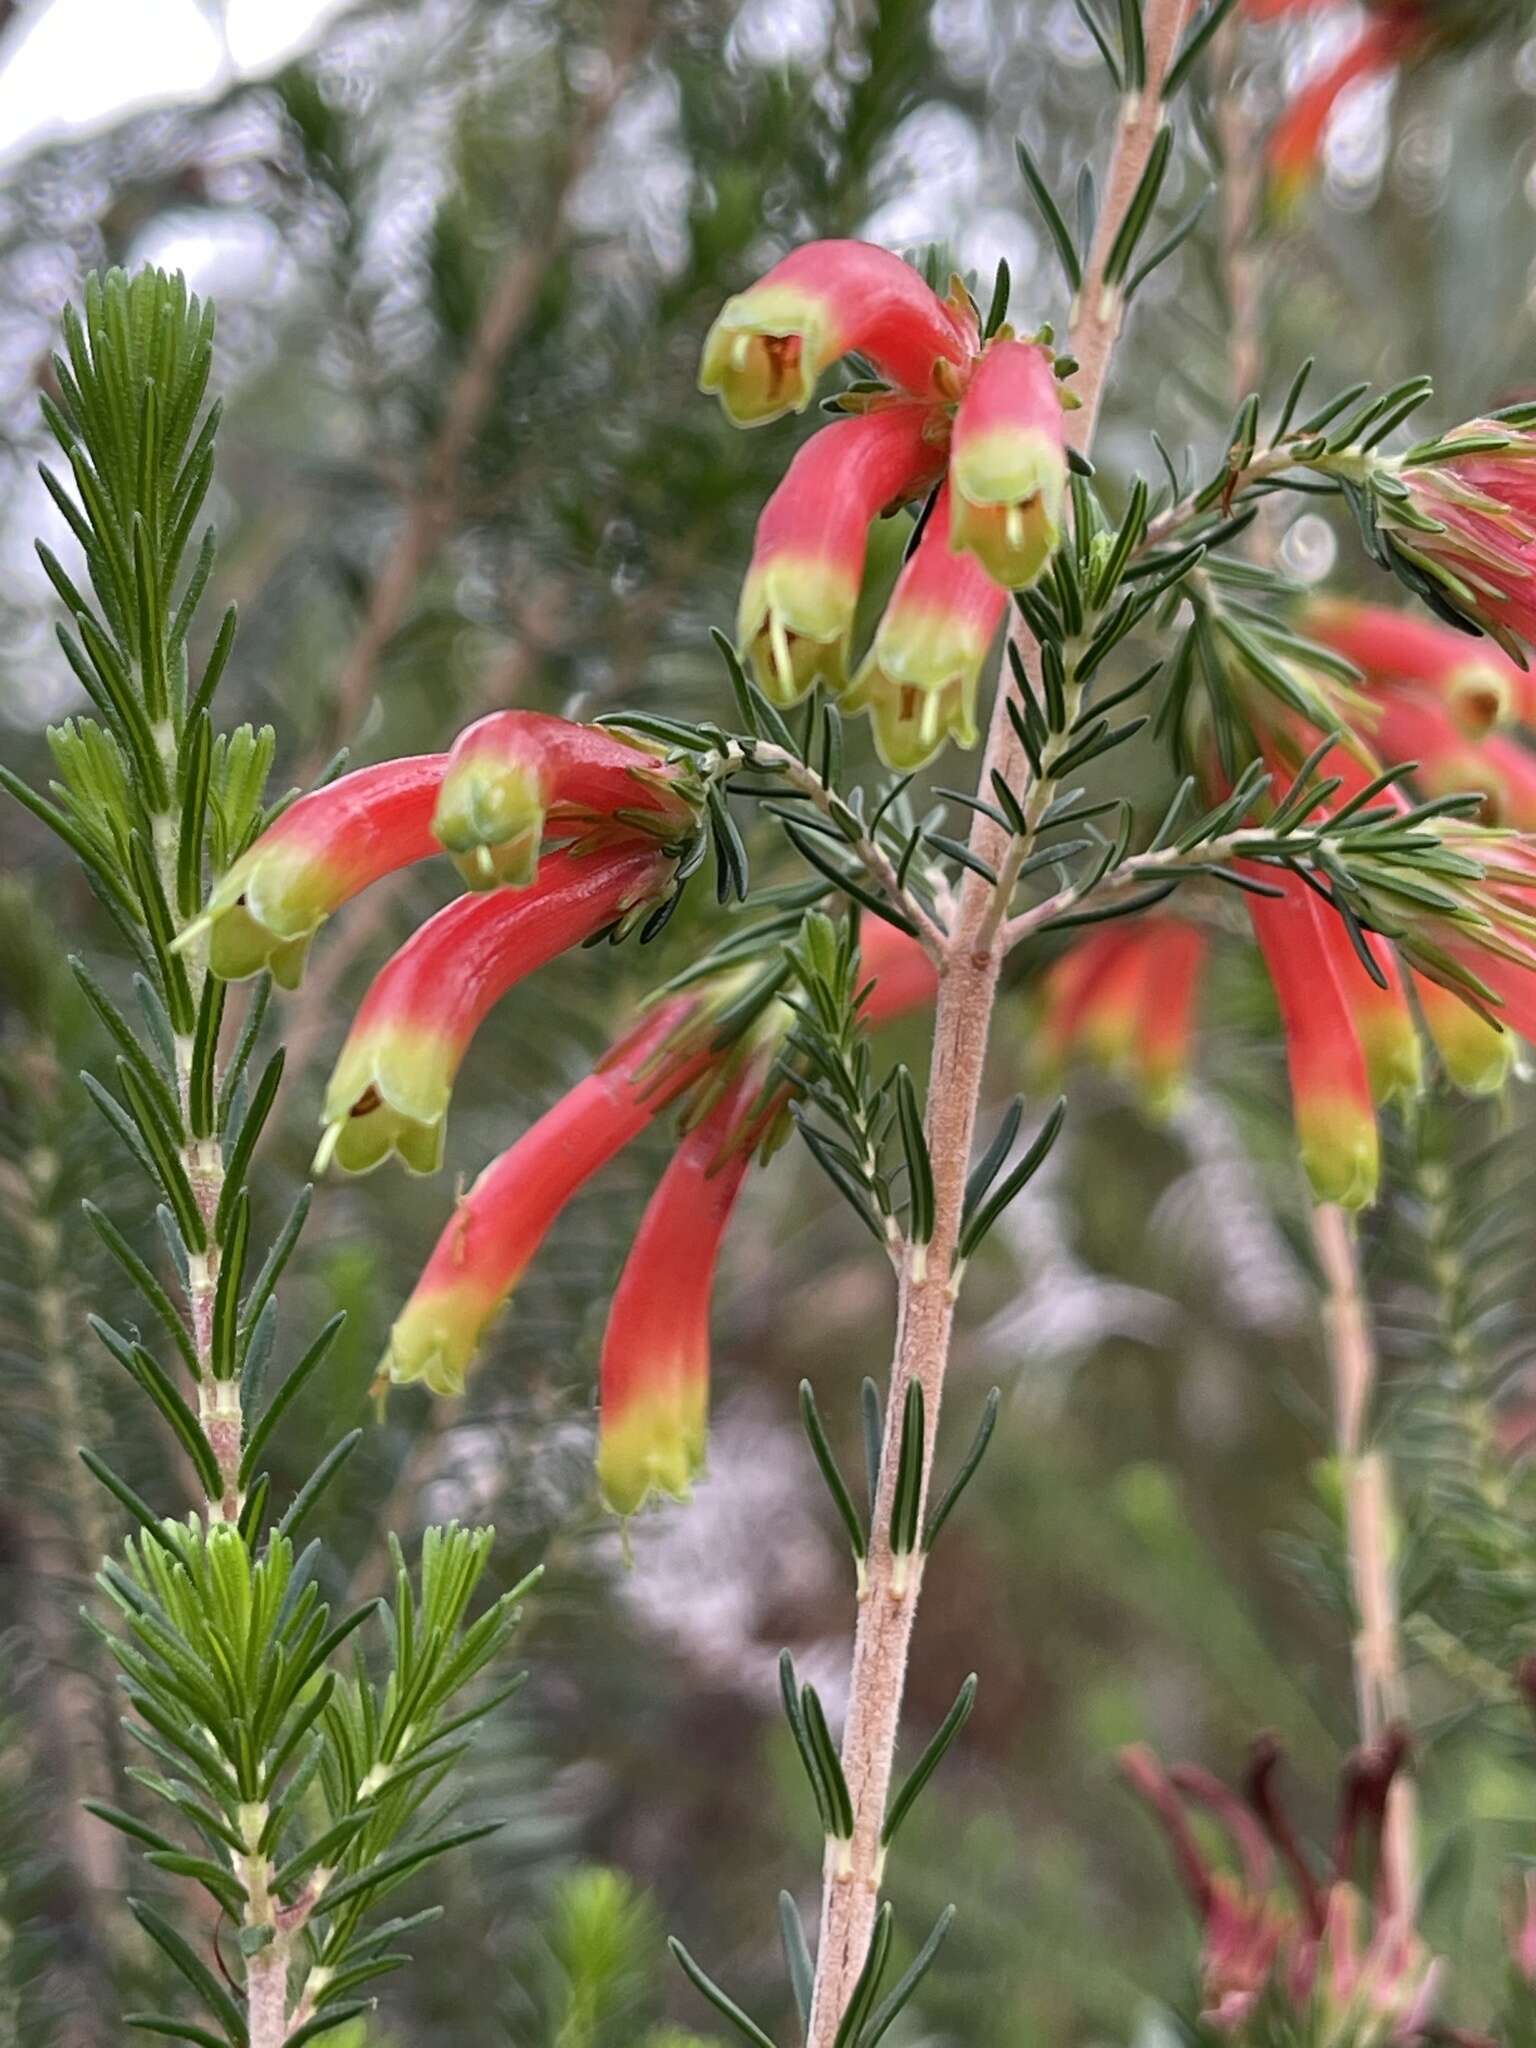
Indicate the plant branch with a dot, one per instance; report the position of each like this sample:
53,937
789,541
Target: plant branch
969,968
1381,1692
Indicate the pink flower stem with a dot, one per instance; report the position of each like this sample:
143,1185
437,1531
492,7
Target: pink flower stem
970,961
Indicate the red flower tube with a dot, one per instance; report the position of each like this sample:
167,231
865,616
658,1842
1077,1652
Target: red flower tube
394,1077
1476,682
514,774
770,343
654,1376
1163,1049
920,677
324,850
1068,991
796,614
1330,1086
1008,464
499,1225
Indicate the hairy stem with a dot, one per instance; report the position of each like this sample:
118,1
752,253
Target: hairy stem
971,958
1381,1692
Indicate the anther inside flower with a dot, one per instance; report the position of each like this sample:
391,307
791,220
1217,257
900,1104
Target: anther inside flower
770,344
1008,471
514,776
322,851
1476,682
394,1077
986,416
796,614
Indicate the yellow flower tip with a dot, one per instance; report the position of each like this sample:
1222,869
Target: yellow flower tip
436,1340
389,1094
490,821
1394,1060
241,945
763,354
1477,1056
912,726
372,1130
1007,493
654,1453
1342,1156
794,625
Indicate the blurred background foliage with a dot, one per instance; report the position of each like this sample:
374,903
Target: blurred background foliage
463,253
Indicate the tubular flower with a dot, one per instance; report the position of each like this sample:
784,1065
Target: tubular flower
394,1077
324,850
796,615
1008,465
1330,1084
1478,685
654,1376
514,775
1393,30
1273,1963
1478,1056
1126,1000
1383,1016
770,344
920,677
1467,526
499,1225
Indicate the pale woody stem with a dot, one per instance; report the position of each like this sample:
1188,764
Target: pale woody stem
1381,1693
971,958
218,1404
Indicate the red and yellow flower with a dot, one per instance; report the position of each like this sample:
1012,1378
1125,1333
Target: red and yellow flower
654,1376
394,1077
920,678
1474,681
517,777
1007,468
825,300
1124,997
499,1225
986,417
324,850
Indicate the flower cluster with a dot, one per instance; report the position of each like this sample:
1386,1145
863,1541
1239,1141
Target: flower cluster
1432,704
1305,1959
562,832
971,425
